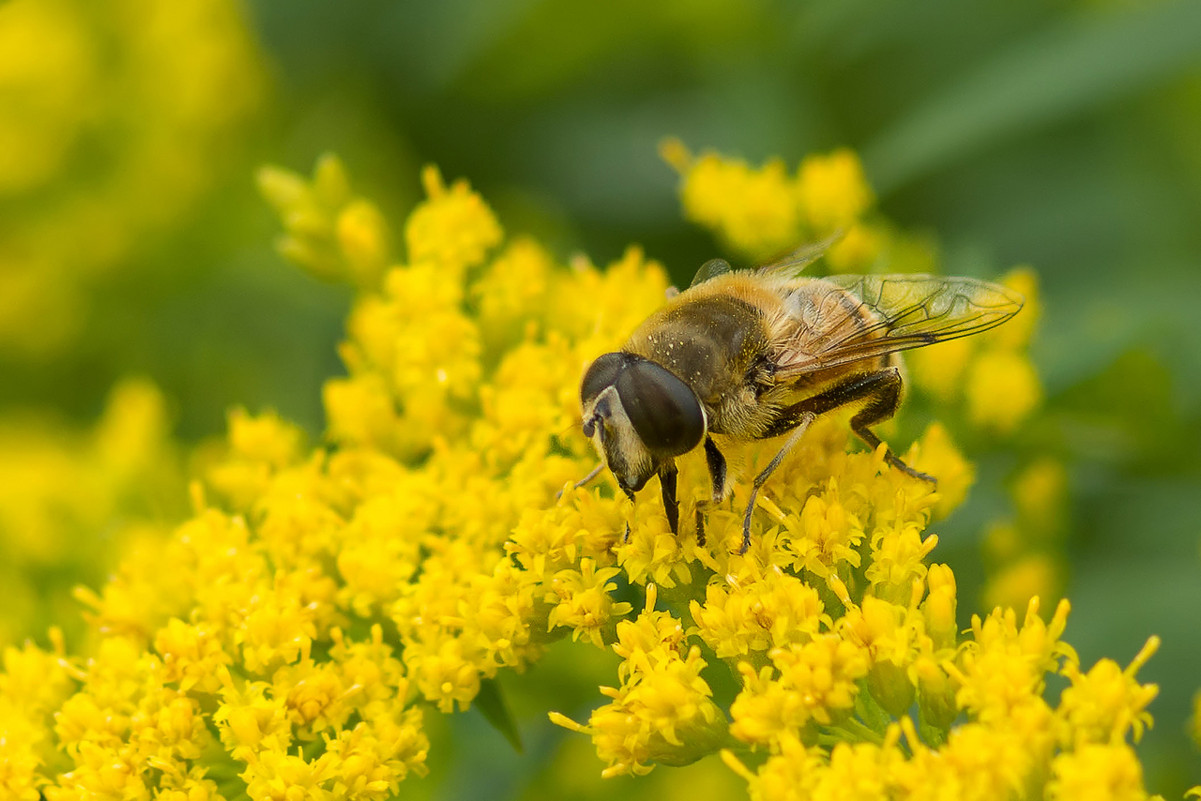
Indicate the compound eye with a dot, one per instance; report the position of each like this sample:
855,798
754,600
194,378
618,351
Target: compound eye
663,409
601,375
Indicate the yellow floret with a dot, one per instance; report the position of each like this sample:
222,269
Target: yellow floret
663,714
453,228
758,613
1101,771
585,603
935,454
1106,703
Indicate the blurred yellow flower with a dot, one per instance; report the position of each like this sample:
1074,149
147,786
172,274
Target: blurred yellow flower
1002,390
1104,771
115,122
766,212
858,250
764,217
70,499
1027,575
939,369
833,190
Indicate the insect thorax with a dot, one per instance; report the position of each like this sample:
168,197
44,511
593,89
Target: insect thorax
711,343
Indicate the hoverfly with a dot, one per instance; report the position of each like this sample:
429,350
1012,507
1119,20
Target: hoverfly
755,354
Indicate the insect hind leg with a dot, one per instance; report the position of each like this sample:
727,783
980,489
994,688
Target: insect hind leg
879,391
883,393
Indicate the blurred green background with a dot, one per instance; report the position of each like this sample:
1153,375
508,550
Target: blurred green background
1063,135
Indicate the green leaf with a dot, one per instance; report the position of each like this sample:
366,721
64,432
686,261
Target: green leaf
491,703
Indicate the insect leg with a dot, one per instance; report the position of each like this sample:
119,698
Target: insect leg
717,469
881,393
671,504
717,472
629,495
803,423
882,404
595,472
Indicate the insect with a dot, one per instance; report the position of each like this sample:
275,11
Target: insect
755,354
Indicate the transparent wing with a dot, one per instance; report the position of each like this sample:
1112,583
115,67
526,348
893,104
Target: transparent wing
802,257
845,318
710,269
791,264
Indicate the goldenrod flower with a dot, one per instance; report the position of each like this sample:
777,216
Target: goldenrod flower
756,210
1030,575
859,248
748,617
662,713
814,682
1106,703
331,233
939,369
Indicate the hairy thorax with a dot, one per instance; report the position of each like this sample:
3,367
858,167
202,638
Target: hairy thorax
728,338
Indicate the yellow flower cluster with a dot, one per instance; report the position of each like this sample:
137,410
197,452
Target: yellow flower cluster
663,712
765,212
1025,552
1013,745
319,602
115,117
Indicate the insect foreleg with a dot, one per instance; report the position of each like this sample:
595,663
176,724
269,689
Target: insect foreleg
583,481
717,469
671,504
717,472
805,419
